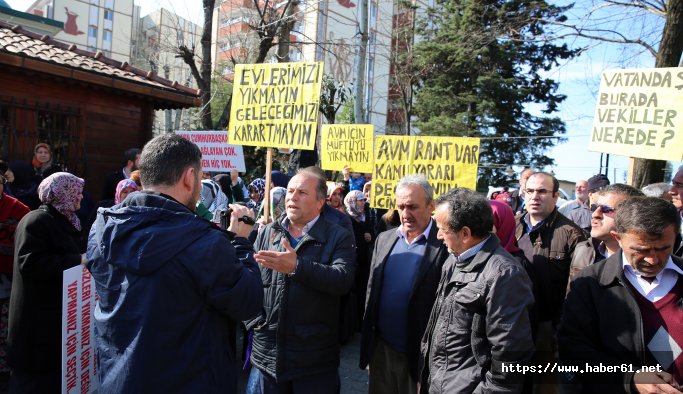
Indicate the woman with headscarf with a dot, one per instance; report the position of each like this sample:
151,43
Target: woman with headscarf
42,159
504,225
211,200
257,190
363,233
335,197
47,242
123,189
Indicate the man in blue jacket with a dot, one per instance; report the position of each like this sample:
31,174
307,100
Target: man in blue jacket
169,283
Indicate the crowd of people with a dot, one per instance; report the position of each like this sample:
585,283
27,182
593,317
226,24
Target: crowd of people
454,293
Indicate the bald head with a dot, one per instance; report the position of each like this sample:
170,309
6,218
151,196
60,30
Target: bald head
524,176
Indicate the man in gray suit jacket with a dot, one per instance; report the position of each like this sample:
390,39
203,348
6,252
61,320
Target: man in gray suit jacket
404,274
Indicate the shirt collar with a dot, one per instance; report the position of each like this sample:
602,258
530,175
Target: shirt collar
425,234
669,266
602,249
306,228
528,226
472,251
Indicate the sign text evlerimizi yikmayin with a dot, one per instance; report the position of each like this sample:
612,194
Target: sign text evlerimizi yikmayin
346,145
447,162
275,105
638,114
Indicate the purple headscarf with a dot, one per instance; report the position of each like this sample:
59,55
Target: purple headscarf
62,191
122,185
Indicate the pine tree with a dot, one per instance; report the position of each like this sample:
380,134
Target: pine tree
485,62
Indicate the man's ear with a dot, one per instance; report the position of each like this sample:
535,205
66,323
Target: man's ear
615,235
466,232
188,178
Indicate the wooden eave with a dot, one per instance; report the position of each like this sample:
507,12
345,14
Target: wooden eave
162,98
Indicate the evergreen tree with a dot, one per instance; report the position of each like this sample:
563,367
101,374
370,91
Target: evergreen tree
482,64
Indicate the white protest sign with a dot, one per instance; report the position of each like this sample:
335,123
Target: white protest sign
217,154
637,114
79,369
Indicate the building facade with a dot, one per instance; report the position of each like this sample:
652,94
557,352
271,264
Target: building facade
325,30
160,34
94,25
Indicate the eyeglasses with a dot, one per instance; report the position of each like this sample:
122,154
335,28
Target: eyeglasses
539,191
605,209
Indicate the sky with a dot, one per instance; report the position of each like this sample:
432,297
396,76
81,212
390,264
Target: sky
578,78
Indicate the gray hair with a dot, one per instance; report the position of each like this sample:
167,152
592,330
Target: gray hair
620,188
658,190
650,215
418,180
319,176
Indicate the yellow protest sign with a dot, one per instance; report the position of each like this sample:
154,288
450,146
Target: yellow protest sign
346,145
447,162
638,114
275,105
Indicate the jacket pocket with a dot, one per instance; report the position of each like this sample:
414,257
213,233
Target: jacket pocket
560,262
466,301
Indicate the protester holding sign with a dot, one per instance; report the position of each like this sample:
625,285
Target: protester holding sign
231,185
47,241
169,284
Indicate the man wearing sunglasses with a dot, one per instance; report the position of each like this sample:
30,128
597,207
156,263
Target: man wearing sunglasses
601,244
548,240
624,315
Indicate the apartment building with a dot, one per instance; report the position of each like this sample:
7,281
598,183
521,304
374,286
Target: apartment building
324,30
94,25
160,33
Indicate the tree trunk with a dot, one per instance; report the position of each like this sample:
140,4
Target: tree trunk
205,84
222,123
648,171
263,48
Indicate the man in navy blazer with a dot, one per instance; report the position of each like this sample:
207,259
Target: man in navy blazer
404,274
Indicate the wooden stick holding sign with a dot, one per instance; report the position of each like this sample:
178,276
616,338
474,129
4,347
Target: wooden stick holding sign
266,203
